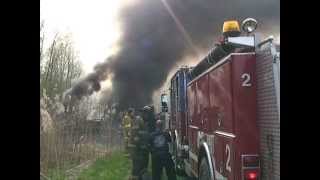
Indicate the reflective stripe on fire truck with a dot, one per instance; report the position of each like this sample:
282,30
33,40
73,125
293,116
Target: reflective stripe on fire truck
194,127
225,134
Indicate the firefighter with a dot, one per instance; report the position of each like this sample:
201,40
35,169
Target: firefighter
126,125
161,157
149,117
139,146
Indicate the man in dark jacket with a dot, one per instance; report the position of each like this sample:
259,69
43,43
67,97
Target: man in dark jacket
161,158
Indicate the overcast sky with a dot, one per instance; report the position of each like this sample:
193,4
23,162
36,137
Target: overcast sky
92,23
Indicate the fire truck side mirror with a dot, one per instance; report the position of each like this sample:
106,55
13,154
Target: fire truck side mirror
164,103
164,98
164,107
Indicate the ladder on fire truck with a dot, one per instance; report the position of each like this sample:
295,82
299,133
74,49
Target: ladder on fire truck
268,97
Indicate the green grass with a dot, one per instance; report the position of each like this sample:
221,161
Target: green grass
56,174
115,167
59,174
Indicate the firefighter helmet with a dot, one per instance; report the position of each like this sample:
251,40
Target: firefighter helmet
130,110
146,108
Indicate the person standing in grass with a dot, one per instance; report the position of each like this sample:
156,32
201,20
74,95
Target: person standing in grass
126,125
148,116
161,157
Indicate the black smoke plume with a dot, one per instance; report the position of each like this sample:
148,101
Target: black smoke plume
152,43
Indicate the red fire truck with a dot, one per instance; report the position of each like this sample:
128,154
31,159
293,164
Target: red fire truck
214,110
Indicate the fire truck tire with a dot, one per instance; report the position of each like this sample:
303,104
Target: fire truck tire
204,171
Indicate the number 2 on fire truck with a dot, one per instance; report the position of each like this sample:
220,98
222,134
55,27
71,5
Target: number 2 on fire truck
246,80
228,167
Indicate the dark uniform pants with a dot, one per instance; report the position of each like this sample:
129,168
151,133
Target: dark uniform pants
163,161
139,164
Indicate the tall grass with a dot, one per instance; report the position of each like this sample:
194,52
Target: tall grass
64,147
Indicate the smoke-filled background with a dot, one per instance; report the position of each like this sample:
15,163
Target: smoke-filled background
159,34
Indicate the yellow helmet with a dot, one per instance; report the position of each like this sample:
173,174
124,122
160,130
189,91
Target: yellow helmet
231,28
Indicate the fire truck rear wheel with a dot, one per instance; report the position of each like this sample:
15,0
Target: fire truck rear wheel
204,173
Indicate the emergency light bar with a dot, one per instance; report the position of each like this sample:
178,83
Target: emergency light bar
243,41
248,25
230,26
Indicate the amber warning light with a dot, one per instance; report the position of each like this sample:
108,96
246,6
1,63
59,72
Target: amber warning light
230,26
